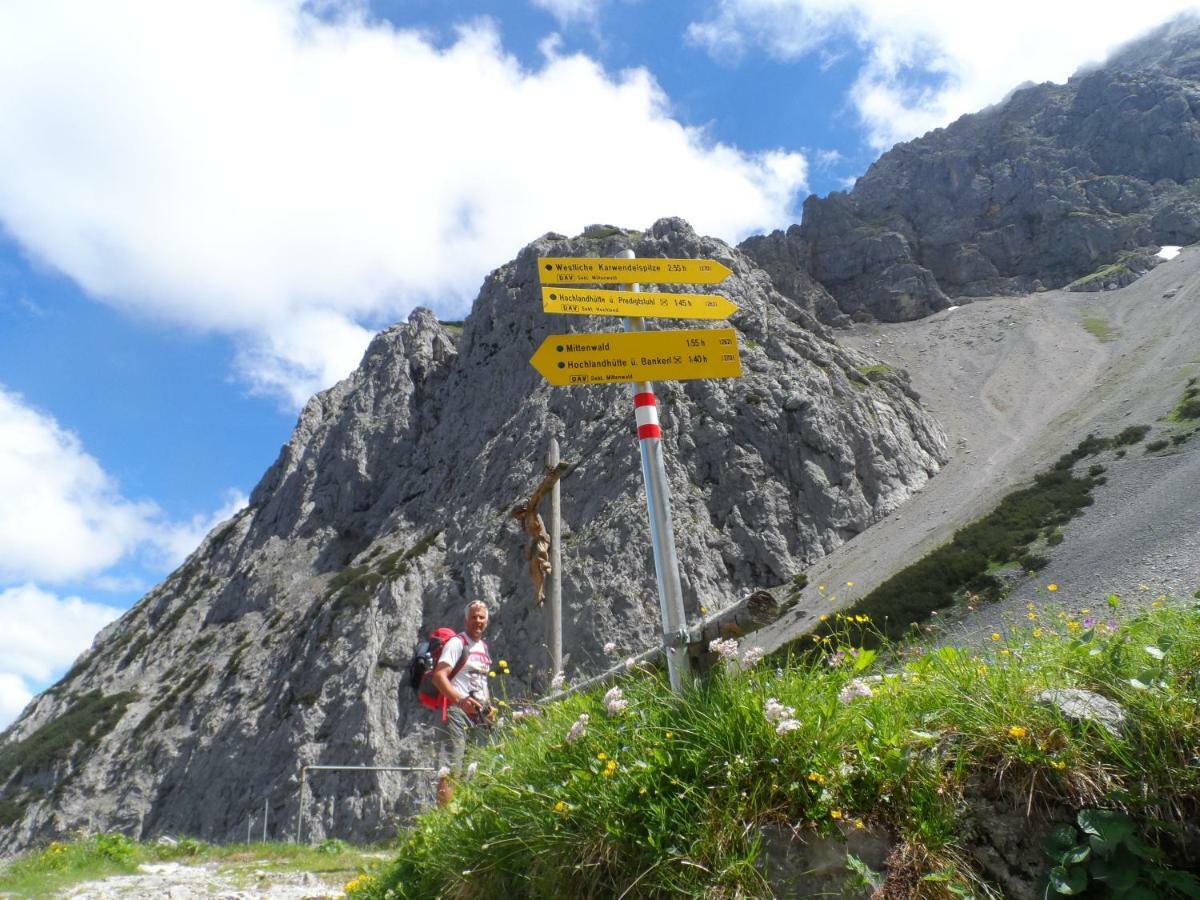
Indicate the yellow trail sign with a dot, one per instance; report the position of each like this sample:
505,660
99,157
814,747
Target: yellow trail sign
592,302
565,359
610,270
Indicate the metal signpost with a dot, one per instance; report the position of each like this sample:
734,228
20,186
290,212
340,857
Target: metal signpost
640,357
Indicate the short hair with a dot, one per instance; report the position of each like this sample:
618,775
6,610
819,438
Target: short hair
475,603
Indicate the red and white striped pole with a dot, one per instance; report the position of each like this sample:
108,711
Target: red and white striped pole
662,532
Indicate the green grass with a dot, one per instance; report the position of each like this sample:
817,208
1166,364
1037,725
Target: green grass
666,798
60,865
1099,328
1188,408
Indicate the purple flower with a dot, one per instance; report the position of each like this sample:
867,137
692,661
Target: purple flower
1089,622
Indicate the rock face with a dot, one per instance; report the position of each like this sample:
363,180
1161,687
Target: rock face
1080,182
280,643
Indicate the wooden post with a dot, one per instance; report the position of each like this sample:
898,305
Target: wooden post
554,594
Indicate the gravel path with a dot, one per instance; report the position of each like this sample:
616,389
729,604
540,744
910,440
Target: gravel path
1016,382
175,881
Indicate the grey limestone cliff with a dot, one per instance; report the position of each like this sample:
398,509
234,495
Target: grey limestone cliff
281,640
1061,184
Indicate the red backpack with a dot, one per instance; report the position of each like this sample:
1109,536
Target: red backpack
425,660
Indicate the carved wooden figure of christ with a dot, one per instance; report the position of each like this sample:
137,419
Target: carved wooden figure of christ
537,551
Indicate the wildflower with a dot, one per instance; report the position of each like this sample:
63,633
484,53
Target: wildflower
1037,632
1005,652
836,659
602,756
669,735
995,635
1031,616
443,772
579,729
615,701
856,688
786,725
753,657
835,814
726,649
1058,764
503,664
1089,622
816,777
1084,611
774,711
849,584
610,646
557,682
1030,607
1052,587
982,670
561,808
471,770
821,588
1072,626
609,768
527,712
1018,731
704,610
858,823
1156,604
1143,587
824,617
492,673
630,663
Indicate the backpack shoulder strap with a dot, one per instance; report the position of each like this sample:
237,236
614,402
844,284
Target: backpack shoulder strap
462,657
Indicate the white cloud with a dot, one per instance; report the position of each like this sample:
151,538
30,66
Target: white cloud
570,11
14,695
40,635
242,166
929,61
63,518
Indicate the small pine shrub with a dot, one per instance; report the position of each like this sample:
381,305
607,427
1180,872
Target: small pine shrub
1131,435
1155,446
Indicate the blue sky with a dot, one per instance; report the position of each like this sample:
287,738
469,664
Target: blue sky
205,212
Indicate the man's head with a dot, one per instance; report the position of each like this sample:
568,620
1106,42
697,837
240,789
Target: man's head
477,619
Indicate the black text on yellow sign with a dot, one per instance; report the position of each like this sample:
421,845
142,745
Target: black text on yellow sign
611,270
594,302
566,359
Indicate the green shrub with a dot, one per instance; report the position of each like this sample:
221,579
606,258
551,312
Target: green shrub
68,736
1131,435
1155,446
799,581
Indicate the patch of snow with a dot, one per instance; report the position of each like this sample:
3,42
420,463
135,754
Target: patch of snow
1168,252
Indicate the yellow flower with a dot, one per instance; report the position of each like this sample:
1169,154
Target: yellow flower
1143,587
1156,604
816,777
1004,652
503,664
995,635
1031,616
1072,626
1030,606
561,808
610,767
1059,764
704,610
821,588
669,735
982,670
601,756
858,823
491,674
1017,731
824,617
1052,587
502,704
1037,632
835,814
1084,611
849,584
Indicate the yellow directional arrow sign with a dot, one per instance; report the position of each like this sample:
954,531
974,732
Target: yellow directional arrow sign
592,302
565,359
608,270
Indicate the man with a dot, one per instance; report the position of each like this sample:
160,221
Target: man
468,703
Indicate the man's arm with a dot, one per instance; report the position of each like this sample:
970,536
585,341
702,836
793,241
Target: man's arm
441,680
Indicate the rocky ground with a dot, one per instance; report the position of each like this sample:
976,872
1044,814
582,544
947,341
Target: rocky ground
1016,382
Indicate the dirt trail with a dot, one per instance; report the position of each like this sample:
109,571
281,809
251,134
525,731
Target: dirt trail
1016,382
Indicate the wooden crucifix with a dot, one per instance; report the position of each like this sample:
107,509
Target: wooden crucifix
537,551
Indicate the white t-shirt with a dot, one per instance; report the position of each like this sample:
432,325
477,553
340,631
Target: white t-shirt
474,675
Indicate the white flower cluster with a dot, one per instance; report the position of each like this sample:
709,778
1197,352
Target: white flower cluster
615,701
579,729
783,717
527,713
610,647
557,682
853,690
753,657
726,649
471,769
630,663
